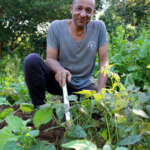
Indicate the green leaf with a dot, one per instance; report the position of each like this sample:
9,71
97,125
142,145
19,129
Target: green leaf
5,136
26,107
140,113
130,140
41,146
15,123
72,98
12,145
121,148
60,110
132,68
6,112
80,145
42,116
106,147
78,132
104,134
148,109
3,100
34,133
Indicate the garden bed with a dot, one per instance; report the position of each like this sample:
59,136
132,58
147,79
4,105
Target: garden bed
48,132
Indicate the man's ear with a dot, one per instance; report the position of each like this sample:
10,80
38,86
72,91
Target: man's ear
70,7
94,11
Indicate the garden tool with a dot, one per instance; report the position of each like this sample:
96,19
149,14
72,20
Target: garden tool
67,105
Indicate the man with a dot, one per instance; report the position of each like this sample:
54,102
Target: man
72,46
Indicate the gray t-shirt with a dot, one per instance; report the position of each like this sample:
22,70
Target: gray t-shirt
77,57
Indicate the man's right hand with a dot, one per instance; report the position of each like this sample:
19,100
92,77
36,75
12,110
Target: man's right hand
62,75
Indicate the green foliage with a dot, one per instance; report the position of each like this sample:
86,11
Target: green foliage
42,116
12,85
131,59
80,145
77,132
134,12
5,112
17,134
25,107
41,146
5,136
12,145
122,109
130,140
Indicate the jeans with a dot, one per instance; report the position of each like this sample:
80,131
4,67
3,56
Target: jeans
39,78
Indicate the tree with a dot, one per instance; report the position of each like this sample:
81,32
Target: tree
21,17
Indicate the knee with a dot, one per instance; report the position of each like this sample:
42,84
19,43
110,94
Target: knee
32,60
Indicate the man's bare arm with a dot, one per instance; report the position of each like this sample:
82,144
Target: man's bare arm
103,61
61,74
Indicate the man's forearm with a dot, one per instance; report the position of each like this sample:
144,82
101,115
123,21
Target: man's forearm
101,81
54,65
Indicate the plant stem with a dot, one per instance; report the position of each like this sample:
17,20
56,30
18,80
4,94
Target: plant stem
108,128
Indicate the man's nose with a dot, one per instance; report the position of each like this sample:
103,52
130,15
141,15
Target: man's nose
83,13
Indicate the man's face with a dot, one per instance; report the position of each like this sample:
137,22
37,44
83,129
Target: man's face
82,11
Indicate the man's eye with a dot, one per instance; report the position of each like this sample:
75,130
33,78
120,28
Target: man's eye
89,10
79,8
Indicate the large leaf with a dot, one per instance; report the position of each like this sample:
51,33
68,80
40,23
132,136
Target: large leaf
6,112
5,136
130,140
15,123
78,132
80,145
11,146
41,146
42,116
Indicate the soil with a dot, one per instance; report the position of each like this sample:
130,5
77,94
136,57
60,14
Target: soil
46,133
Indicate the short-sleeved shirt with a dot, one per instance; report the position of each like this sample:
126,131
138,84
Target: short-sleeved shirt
77,57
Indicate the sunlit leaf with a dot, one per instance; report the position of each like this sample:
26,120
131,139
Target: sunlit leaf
87,93
25,107
6,112
140,113
104,134
80,145
148,66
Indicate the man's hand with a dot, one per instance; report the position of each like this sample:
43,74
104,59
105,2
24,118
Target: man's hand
62,75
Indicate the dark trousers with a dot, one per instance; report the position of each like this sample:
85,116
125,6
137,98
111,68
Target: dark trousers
39,79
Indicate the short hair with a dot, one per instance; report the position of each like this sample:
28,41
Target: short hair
74,1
